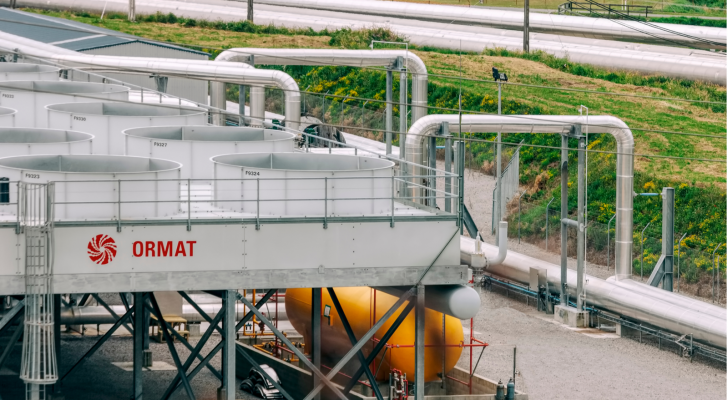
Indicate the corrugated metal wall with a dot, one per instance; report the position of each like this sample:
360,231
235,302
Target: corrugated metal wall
191,89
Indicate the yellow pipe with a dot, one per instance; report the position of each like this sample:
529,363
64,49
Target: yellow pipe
358,304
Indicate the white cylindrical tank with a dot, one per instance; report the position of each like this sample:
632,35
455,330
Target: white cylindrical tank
25,141
30,98
7,117
152,193
22,72
193,146
298,183
107,120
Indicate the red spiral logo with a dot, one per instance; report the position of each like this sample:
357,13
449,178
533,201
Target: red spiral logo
102,249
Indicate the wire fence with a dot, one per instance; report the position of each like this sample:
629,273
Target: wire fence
697,270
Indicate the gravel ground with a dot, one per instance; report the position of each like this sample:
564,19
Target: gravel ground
98,379
554,362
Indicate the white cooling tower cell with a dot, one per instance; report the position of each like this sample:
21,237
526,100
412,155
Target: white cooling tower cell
298,183
129,188
25,141
7,117
193,146
30,98
106,120
22,72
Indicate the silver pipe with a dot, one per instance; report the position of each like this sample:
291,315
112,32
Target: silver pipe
502,246
238,73
351,58
217,100
429,125
91,315
257,106
598,28
458,301
612,296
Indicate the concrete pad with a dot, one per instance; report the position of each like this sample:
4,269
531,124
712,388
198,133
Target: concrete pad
571,317
156,366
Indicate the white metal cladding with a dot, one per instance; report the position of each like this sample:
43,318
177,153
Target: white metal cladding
7,117
303,184
107,120
22,72
153,193
193,89
30,98
26,141
193,146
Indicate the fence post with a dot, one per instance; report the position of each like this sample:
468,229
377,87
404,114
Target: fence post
679,243
642,249
519,216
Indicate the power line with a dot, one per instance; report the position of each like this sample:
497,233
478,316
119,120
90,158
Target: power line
122,35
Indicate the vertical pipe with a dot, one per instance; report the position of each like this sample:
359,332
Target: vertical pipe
217,100
316,335
228,355
526,22
402,108
448,169
564,212
432,173
257,106
242,94
668,235
461,182
581,232
388,120
420,343
138,344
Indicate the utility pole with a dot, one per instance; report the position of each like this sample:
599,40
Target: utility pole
250,11
132,11
526,11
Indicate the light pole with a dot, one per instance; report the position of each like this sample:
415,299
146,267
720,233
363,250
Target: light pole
499,77
581,108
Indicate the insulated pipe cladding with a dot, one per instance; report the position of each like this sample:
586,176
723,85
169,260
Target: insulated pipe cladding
337,57
416,151
357,303
238,73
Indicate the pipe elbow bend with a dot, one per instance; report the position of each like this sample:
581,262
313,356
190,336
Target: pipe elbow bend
502,246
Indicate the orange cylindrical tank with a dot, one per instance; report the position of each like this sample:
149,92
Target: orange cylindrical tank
363,306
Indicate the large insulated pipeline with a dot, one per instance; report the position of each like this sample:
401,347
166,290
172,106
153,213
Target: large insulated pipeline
612,296
239,73
598,28
351,58
430,125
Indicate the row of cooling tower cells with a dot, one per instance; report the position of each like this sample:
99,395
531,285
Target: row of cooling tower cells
103,136
74,131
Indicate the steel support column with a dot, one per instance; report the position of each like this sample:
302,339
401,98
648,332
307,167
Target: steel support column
228,356
581,231
668,235
448,169
402,107
139,333
564,213
420,343
315,351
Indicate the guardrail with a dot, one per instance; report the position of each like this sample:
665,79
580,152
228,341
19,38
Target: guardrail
618,9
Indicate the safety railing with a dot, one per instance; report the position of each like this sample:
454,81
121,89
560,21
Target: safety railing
299,199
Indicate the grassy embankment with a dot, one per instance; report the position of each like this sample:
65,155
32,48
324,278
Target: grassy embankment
701,199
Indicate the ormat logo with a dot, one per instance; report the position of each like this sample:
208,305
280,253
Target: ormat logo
102,249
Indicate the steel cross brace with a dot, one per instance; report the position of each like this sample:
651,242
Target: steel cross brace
191,358
113,314
205,361
10,315
352,338
13,339
101,341
296,351
380,345
172,350
362,341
